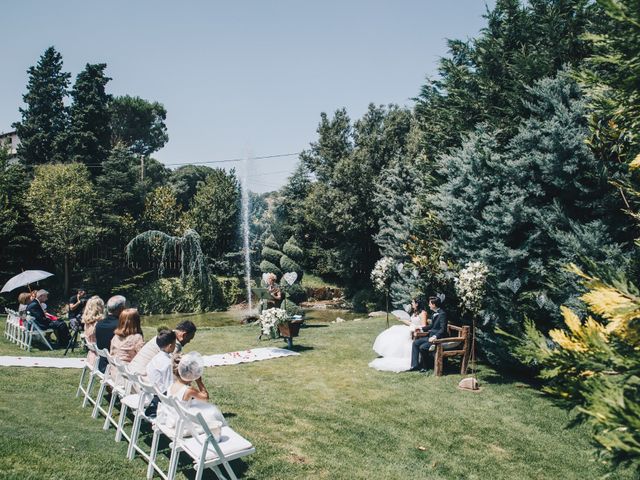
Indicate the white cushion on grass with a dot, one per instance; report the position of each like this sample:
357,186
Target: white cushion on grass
230,443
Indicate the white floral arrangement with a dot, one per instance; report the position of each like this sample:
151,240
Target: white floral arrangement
270,319
381,274
470,286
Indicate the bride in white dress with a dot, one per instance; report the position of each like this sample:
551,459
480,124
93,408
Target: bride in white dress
394,344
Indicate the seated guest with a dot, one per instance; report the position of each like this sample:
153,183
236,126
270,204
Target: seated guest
422,346
24,299
185,332
187,369
160,368
36,309
105,328
127,340
93,313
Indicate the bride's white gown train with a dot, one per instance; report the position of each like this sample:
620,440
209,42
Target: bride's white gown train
394,347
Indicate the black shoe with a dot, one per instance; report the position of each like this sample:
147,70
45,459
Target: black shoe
413,369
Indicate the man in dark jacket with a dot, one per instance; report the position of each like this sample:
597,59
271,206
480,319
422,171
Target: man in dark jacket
105,328
36,311
438,329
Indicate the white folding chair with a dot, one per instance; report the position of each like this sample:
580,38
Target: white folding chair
138,403
105,380
94,374
205,450
87,369
169,431
32,330
119,388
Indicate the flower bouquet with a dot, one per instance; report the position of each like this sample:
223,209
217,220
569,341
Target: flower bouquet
270,319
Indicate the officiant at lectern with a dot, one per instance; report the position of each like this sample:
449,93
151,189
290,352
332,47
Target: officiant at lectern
277,295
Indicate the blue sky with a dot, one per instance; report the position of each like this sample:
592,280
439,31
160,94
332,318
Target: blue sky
240,77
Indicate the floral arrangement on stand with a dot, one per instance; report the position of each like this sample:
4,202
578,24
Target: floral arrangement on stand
382,276
470,286
270,319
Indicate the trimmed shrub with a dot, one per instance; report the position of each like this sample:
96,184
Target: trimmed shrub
267,267
296,293
292,250
365,301
270,242
271,255
289,265
292,308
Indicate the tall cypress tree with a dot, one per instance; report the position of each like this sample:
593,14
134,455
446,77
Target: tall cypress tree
89,132
396,196
44,117
531,208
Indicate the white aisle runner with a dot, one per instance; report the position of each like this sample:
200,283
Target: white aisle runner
231,358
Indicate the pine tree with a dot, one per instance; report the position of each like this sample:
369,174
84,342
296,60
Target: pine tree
89,131
44,119
530,208
396,195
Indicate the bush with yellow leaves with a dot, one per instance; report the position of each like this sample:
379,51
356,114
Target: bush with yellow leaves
594,364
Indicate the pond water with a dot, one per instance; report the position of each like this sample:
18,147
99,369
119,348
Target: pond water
234,317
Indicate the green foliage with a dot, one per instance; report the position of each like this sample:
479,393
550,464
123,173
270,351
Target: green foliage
292,308
172,295
89,132
288,265
296,293
61,202
232,290
43,126
365,300
485,80
527,209
595,364
184,181
271,255
138,124
162,212
340,215
193,266
13,217
267,267
292,249
271,242
214,212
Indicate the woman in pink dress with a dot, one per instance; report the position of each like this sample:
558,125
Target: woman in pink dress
127,340
92,314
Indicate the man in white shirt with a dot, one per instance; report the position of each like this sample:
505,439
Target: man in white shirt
159,369
185,331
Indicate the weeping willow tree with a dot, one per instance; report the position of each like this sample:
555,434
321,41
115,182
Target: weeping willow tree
154,244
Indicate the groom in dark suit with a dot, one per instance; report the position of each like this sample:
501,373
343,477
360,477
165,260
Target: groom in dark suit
438,329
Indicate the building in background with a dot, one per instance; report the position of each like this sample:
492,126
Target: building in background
11,141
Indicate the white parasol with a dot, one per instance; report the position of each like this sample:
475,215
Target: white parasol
25,278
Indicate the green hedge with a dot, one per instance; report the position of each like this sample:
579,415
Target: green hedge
171,295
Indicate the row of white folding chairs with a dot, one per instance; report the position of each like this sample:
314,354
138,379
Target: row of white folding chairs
135,395
21,332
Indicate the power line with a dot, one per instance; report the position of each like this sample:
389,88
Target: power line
206,162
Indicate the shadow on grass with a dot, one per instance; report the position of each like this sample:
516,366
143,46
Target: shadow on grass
300,348
314,325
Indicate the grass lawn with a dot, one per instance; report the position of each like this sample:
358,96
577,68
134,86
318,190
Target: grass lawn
324,414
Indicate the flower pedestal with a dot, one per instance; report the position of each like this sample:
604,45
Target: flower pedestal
290,329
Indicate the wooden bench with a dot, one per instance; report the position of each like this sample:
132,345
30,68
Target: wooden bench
457,344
